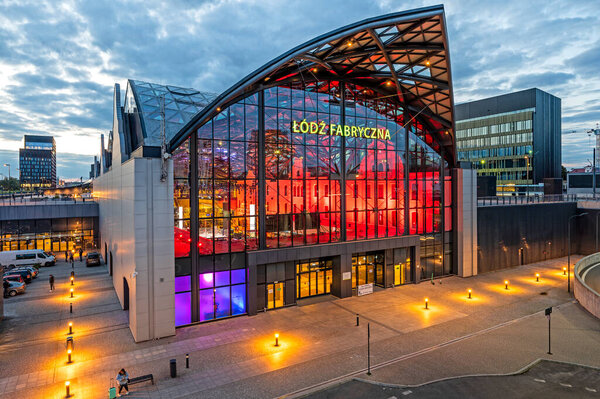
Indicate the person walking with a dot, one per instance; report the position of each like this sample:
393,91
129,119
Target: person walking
123,380
72,260
80,255
51,281
5,285
66,256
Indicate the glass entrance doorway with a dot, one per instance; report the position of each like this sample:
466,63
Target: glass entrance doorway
313,277
368,268
402,266
275,295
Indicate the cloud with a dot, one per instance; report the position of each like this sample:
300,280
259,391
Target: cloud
60,59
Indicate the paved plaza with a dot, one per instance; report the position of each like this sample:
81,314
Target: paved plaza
497,331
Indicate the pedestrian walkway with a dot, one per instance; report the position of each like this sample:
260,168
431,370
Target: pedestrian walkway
237,357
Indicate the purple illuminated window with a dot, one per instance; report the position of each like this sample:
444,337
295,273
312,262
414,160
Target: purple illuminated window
183,308
238,299
207,306
222,302
206,280
238,276
183,283
221,278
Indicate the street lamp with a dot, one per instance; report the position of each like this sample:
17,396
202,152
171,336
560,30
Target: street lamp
7,164
569,246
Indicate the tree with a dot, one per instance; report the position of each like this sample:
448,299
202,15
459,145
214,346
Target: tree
563,172
11,184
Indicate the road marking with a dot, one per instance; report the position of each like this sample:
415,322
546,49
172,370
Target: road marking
590,389
337,380
406,393
538,380
566,385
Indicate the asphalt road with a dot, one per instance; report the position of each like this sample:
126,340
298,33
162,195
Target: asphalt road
545,380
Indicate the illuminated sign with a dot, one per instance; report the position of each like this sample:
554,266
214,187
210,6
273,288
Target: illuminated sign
340,130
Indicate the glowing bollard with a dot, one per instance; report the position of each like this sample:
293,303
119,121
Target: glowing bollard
426,303
68,389
69,356
564,271
537,277
70,327
276,339
71,292
470,294
505,284
72,280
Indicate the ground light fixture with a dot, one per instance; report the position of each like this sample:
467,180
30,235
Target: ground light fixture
537,277
71,292
426,303
564,270
505,284
69,356
276,339
70,327
68,389
470,294
72,278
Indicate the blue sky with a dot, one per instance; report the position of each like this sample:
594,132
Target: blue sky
59,60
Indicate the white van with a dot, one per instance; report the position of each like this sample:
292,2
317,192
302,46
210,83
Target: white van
26,257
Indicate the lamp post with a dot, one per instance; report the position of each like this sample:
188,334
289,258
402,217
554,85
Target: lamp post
569,248
8,165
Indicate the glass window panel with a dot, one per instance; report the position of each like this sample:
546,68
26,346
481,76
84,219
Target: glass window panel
238,299
222,302
183,283
221,278
207,306
206,280
238,276
183,308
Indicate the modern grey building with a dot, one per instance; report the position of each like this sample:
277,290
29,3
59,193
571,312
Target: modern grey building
515,136
37,162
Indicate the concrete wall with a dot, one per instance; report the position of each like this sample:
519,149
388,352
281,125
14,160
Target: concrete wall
136,224
587,297
584,229
465,225
511,235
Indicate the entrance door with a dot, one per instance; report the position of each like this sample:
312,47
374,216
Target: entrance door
275,295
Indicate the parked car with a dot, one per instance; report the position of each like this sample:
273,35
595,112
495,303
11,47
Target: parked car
26,274
26,257
93,259
34,271
13,277
15,288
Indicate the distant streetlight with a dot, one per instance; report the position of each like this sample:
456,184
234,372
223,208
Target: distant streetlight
569,246
7,164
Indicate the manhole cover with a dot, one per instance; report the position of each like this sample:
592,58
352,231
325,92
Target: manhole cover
543,293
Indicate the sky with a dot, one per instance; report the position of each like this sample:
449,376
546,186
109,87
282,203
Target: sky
59,60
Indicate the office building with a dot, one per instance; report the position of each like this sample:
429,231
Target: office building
514,137
37,162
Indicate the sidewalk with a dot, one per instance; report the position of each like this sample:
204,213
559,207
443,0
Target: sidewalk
319,342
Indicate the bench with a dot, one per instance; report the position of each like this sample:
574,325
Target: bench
142,378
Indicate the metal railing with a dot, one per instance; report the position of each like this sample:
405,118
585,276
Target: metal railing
526,199
33,199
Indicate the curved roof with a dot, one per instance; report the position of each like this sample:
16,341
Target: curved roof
403,57
180,106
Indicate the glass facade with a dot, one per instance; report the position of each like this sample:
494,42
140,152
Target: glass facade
52,235
332,162
499,145
37,162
